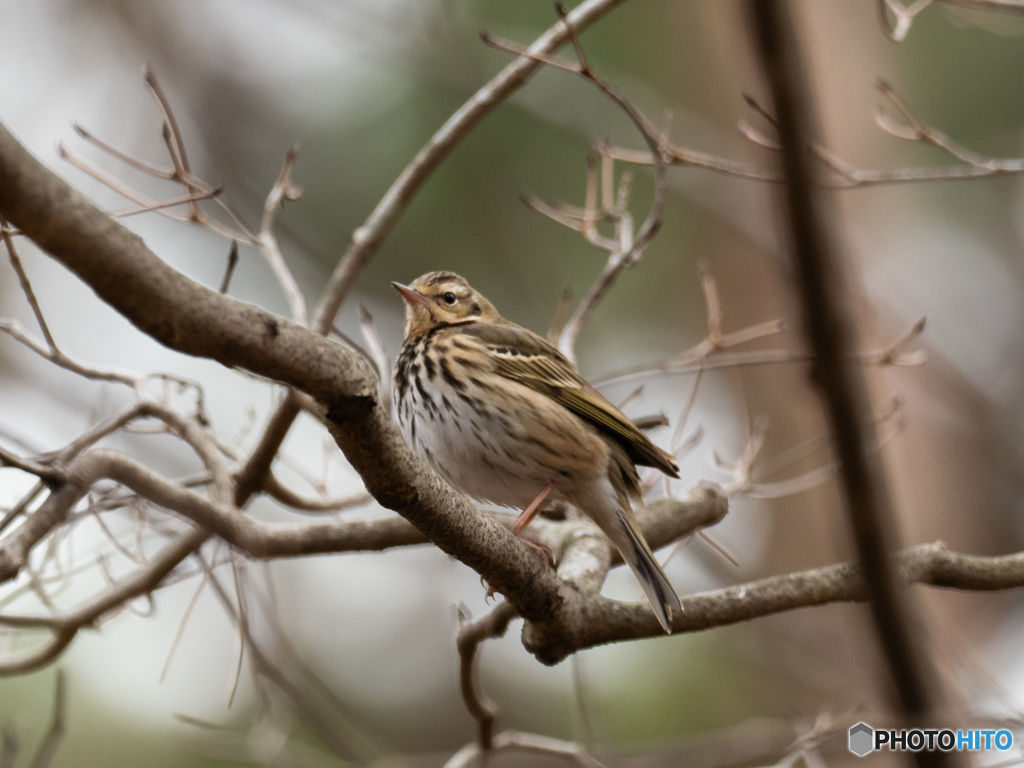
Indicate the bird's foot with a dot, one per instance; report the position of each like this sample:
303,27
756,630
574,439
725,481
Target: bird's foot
544,551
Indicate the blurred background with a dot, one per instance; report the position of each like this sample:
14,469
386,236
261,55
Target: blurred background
360,86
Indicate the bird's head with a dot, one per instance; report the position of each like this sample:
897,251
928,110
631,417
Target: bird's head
442,298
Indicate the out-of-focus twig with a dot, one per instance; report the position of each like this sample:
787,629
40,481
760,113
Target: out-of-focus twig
471,634
375,348
229,270
840,173
283,189
531,743
903,15
48,747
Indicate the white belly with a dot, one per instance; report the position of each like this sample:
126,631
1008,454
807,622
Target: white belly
475,447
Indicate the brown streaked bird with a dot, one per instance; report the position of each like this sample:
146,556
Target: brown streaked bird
504,417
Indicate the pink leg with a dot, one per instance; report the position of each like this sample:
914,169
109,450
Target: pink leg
524,520
531,511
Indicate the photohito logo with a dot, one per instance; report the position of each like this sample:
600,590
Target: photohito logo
865,739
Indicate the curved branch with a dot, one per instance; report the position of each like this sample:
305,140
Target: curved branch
42,656
289,498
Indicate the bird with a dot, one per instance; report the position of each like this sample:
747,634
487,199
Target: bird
505,418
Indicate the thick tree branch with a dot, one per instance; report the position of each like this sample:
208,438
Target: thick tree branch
604,621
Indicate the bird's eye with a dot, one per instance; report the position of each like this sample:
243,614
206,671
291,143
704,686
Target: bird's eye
449,298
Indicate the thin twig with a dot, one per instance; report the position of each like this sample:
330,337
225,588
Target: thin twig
179,158
471,634
531,743
561,314
283,189
26,286
230,269
48,747
181,625
381,361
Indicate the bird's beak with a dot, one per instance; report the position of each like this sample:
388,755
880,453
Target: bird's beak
411,297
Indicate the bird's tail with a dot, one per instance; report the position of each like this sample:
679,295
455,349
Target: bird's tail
648,571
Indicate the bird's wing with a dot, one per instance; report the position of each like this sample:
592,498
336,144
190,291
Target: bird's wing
523,356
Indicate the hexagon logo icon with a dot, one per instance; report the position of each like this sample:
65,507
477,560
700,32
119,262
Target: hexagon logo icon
862,738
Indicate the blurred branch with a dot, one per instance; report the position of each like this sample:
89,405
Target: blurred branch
707,355
831,336
841,174
275,490
471,634
902,16
48,747
282,190
50,351
317,710
377,353
1000,6
229,270
531,743
174,140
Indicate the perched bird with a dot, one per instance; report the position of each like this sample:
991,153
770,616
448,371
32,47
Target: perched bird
505,418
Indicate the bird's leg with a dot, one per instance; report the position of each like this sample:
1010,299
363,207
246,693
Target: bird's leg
520,523
531,511
524,519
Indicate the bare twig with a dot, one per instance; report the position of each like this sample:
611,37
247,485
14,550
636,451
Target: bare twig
841,173
273,488
531,743
713,342
151,170
19,508
561,314
283,189
471,634
181,625
230,269
179,158
50,351
48,747
26,286
381,361
706,356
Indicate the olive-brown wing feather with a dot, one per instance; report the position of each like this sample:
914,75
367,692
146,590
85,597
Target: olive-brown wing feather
523,356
